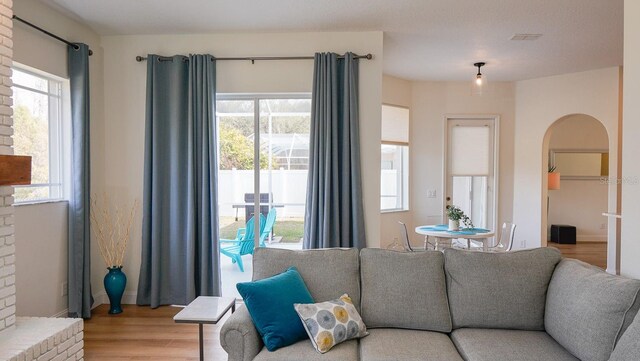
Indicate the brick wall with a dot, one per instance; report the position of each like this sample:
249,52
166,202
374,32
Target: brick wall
24,338
7,247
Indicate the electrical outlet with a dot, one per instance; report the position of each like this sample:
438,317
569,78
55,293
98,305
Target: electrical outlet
523,243
431,193
603,226
64,289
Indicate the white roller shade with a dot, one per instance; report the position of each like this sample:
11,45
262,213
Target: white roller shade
469,151
395,124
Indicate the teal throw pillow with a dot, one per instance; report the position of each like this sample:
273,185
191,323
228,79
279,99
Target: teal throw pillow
270,304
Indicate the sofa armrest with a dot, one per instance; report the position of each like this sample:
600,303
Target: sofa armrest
239,337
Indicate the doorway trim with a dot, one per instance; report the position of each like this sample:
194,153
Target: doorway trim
614,190
495,118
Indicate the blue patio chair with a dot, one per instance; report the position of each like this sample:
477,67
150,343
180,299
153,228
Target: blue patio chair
268,227
243,244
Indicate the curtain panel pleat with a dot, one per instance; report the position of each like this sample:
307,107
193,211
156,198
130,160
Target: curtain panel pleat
334,215
180,256
79,243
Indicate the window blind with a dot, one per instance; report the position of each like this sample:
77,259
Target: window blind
469,150
395,125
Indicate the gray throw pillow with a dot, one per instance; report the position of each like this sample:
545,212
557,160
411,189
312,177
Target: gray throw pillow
589,309
499,290
404,290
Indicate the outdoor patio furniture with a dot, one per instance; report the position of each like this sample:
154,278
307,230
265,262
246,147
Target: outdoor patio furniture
243,244
265,200
268,227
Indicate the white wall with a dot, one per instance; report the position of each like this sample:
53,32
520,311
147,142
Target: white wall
630,242
41,230
431,101
43,255
124,97
397,91
580,202
539,103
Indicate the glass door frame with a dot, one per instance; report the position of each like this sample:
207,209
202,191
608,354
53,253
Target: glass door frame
256,97
446,197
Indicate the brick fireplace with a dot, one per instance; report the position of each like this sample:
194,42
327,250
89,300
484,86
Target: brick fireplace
23,338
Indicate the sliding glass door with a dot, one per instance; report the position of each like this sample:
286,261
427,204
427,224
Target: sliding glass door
265,175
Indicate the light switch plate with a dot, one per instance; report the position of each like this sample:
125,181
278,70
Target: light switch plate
431,193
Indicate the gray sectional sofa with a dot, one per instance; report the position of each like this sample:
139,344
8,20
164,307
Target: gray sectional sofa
528,305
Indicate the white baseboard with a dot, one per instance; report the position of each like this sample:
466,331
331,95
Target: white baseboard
599,239
101,298
64,313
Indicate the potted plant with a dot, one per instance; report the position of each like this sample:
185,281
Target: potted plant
112,228
455,215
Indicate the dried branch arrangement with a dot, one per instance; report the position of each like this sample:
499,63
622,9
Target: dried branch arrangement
112,227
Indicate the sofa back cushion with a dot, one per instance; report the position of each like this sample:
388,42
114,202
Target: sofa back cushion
404,290
499,290
589,309
628,347
328,273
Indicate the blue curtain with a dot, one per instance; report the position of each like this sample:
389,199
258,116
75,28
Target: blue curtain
180,259
79,267
334,215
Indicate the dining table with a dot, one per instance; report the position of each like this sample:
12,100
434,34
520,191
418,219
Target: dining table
442,234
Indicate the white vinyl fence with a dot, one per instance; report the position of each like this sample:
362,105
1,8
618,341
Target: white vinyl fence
287,186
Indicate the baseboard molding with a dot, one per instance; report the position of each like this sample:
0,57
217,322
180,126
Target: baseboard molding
64,313
595,239
101,298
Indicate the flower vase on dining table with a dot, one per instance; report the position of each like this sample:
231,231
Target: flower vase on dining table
454,225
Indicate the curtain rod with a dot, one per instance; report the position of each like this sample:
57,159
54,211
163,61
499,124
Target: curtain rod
254,58
49,33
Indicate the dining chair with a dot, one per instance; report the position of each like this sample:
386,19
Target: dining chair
407,244
405,237
505,242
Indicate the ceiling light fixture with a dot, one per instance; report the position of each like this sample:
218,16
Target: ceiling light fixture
480,81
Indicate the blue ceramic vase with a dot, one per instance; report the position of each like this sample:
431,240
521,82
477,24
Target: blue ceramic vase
114,283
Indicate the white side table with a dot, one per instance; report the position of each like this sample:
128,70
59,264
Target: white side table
205,309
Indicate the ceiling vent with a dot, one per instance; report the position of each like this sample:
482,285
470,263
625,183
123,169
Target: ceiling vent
525,36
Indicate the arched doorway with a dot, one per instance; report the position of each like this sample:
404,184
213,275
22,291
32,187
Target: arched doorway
578,147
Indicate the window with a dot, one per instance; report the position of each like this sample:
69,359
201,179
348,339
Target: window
394,173
39,132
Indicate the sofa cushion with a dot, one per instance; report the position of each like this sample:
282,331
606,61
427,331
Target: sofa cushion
304,351
477,344
404,290
328,273
628,347
499,290
387,344
588,309
270,302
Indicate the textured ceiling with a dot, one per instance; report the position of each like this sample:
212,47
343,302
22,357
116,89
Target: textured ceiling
423,39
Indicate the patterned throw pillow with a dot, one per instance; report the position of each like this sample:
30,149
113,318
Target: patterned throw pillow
332,322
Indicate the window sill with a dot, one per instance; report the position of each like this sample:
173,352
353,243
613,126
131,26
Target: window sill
394,211
34,203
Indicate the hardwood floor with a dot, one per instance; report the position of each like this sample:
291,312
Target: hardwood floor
594,253
142,333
